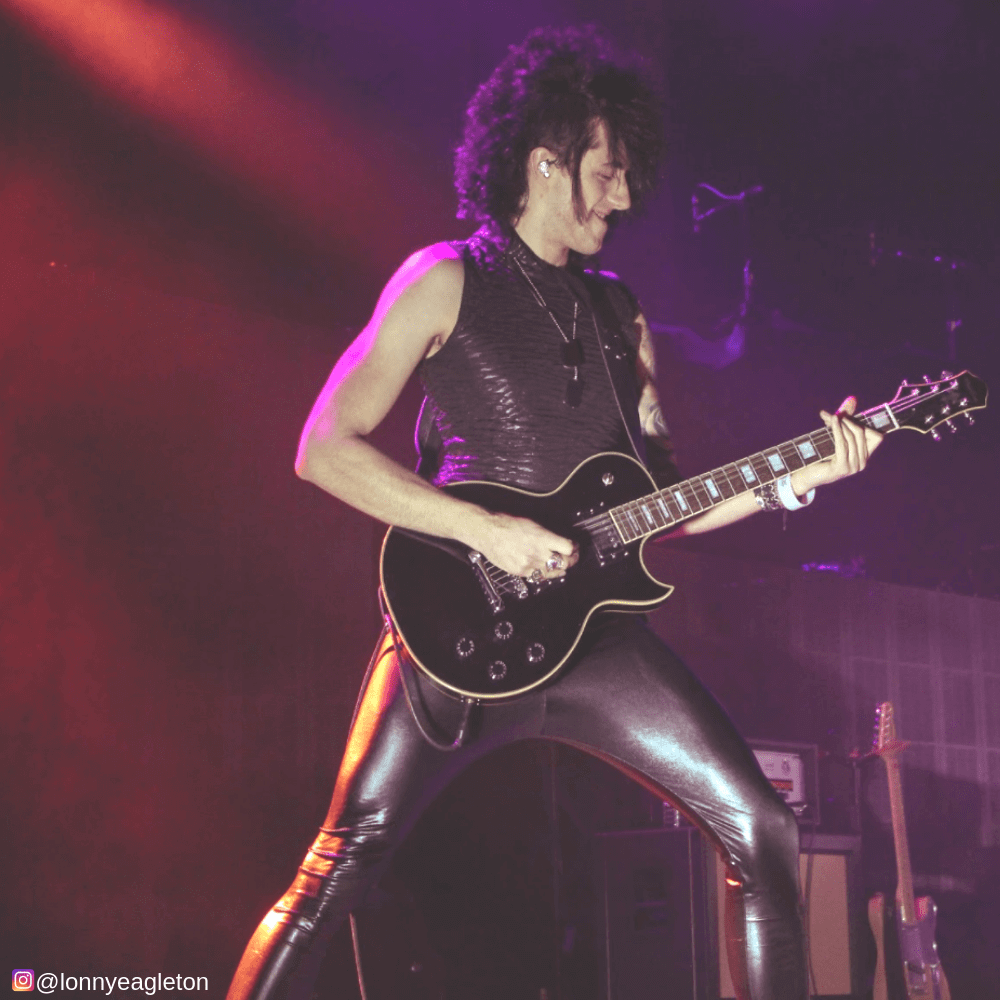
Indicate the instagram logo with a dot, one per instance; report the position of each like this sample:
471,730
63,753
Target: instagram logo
24,980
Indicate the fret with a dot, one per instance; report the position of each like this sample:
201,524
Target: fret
676,514
618,519
691,495
823,440
735,480
880,419
633,521
747,473
651,513
762,467
791,457
668,518
718,486
699,487
776,461
806,449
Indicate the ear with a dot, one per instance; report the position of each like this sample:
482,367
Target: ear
538,156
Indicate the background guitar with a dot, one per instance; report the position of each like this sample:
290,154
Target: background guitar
907,967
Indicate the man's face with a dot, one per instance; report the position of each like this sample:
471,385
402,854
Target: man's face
603,190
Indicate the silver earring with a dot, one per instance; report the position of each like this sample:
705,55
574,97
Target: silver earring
544,167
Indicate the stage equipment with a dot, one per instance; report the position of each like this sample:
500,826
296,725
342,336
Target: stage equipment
829,865
793,770
661,926
653,915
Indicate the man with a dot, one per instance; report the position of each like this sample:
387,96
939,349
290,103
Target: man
507,333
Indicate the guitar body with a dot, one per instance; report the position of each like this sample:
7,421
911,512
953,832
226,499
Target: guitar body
908,966
495,645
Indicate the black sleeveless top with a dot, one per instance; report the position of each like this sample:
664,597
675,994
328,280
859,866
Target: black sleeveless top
497,386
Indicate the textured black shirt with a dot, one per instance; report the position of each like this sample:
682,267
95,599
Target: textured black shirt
498,385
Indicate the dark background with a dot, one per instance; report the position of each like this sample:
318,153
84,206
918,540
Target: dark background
197,218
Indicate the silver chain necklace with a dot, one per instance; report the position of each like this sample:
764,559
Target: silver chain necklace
572,348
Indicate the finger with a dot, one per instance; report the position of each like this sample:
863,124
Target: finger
856,443
865,444
837,432
564,546
562,553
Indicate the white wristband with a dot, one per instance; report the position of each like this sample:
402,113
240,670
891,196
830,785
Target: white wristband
788,498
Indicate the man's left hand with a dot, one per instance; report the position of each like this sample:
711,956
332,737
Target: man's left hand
854,445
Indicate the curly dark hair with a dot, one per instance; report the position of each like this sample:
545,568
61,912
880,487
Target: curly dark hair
551,91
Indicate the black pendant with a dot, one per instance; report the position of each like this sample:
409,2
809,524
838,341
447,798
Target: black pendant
574,392
572,353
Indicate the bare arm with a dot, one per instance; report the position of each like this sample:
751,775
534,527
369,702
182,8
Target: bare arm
853,446
414,316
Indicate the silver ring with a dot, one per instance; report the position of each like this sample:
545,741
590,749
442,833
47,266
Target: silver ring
554,562
536,576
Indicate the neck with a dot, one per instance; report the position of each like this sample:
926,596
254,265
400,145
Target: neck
532,231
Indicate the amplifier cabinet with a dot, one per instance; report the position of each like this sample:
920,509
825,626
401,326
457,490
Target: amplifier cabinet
829,867
654,915
661,928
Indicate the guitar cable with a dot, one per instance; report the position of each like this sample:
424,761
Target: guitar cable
425,725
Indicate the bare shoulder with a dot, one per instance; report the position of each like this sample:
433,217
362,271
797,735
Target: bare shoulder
433,273
421,300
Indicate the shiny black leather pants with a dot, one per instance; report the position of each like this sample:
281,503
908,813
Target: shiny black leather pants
626,699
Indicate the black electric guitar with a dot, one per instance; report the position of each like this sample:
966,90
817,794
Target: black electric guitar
485,634
909,925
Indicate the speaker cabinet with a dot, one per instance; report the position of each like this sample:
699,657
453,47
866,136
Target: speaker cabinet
661,926
828,870
654,915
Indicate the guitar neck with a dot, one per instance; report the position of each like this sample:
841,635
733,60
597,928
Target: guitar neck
904,873
668,507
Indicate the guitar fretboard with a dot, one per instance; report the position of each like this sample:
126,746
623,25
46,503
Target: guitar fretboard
668,507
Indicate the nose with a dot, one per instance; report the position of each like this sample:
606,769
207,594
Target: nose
619,196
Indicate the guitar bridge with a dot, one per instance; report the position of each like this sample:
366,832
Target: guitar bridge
492,595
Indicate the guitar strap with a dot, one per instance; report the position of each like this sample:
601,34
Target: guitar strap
619,358
427,440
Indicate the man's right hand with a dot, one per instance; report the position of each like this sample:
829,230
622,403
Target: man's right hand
522,547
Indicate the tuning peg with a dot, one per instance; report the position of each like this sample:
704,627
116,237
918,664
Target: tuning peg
927,378
970,419
951,427
936,434
947,374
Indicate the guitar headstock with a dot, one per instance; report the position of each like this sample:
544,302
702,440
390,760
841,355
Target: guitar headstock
886,743
922,406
